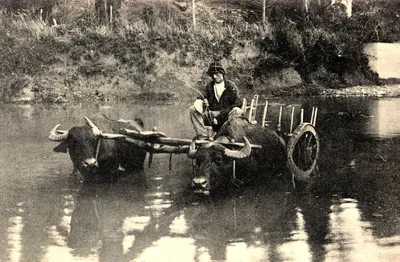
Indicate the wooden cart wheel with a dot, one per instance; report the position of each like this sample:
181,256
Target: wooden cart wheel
302,151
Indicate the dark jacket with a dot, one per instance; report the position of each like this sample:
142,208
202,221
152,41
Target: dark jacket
230,98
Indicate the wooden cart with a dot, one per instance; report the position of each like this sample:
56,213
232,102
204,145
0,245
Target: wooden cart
303,143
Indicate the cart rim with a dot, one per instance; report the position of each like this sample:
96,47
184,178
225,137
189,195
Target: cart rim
298,172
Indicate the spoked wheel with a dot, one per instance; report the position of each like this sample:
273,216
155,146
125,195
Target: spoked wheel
302,151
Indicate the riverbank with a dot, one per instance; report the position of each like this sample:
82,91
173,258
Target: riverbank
27,95
154,52
372,91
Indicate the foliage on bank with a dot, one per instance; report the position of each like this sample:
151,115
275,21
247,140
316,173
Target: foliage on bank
325,46
151,50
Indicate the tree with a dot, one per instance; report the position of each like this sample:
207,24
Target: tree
107,9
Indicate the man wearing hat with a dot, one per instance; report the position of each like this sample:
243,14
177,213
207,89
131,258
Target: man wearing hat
219,101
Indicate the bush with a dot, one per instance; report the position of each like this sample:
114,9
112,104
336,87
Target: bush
323,41
150,39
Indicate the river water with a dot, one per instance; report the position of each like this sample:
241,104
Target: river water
351,213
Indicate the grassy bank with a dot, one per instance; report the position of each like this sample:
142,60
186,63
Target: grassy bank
152,51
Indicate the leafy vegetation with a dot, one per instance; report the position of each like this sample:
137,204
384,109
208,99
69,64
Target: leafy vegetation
69,51
324,45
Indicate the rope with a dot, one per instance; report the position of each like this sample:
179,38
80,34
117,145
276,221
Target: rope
188,85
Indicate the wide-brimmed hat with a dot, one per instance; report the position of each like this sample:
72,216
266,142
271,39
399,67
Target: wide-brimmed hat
214,68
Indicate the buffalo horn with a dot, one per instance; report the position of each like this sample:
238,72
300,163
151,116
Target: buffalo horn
96,131
57,135
236,154
192,149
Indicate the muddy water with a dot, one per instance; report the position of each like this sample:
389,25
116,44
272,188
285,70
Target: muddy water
351,213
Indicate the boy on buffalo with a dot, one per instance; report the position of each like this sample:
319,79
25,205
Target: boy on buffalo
219,101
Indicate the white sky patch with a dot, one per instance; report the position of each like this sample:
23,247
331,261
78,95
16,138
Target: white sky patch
384,59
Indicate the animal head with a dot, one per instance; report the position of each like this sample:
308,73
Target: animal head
81,143
89,152
213,164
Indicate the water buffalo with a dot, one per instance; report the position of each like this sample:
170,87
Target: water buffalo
95,157
213,162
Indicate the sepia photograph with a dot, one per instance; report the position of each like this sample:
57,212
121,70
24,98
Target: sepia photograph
200,130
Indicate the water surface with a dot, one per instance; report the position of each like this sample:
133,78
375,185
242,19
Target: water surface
352,212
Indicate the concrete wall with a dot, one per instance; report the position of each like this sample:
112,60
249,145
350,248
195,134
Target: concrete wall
384,59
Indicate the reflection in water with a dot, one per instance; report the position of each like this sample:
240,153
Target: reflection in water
130,225
26,111
157,199
241,251
352,238
352,214
296,248
64,238
362,116
386,123
207,232
179,225
14,237
169,249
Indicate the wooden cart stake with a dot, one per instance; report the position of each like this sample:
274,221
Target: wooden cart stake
302,116
264,118
279,120
315,117
291,120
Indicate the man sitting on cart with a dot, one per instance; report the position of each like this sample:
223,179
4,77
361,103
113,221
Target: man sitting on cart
220,101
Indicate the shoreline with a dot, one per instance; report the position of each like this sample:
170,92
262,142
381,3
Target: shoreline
371,91
27,96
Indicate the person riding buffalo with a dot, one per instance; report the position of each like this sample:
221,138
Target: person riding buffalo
220,100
